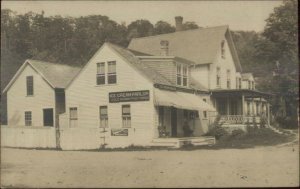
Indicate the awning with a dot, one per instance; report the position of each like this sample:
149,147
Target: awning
181,100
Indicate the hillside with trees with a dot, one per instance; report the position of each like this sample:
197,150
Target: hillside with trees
73,41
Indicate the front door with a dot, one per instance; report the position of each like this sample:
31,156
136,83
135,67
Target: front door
48,117
173,122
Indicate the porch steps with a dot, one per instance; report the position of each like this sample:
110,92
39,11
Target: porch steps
178,142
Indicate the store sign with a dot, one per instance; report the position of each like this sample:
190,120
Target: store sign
129,96
119,132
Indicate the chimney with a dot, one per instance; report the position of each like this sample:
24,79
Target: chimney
164,45
178,21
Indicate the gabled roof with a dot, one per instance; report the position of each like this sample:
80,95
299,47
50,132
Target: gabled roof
148,72
56,75
198,45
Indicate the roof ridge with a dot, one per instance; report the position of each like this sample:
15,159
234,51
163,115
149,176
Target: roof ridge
54,63
190,30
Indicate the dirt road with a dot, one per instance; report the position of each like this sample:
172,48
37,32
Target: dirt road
265,166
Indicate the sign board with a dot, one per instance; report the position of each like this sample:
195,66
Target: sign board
129,96
119,132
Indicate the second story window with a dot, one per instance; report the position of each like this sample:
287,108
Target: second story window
253,86
184,75
249,84
179,76
228,79
112,73
223,49
240,83
103,116
101,73
29,85
218,77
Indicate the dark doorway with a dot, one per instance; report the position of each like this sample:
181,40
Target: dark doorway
48,117
173,122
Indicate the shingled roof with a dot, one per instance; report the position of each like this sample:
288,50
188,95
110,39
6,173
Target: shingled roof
197,45
154,76
57,75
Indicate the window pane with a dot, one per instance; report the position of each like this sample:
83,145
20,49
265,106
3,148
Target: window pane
178,80
112,67
126,109
112,78
103,110
184,81
184,71
101,68
29,83
100,79
179,69
73,113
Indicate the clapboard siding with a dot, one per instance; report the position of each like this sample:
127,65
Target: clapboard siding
18,102
167,69
224,64
200,74
84,94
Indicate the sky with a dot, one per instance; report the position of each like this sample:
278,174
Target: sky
239,14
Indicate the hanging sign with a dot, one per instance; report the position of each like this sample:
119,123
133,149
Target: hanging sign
119,132
129,96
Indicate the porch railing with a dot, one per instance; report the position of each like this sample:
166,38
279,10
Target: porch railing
239,119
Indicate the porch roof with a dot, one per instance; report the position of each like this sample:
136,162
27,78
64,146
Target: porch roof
181,100
239,92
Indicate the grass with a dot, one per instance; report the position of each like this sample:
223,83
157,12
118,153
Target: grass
254,137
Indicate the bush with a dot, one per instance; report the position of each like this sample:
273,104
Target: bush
218,132
287,122
238,133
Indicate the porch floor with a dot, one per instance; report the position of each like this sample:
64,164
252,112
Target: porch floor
180,141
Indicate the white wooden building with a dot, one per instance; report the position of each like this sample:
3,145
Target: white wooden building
162,90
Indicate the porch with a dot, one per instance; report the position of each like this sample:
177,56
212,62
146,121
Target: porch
244,107
180,115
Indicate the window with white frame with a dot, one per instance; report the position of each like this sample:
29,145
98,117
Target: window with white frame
223,49
126,116
103,116
253,86
218,79
100,73
29,85
179,74
228,79
112,73
28,118
249,84
73,117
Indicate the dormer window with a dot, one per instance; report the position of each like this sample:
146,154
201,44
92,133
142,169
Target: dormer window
223,49
182,75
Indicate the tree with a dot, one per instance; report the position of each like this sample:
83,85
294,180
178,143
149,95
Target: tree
190,26
162,27
139,28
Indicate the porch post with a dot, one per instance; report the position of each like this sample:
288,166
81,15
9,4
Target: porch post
227,109
268,112
243,110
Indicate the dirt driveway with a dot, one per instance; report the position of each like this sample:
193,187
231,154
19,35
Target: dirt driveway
265,166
